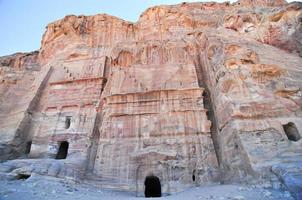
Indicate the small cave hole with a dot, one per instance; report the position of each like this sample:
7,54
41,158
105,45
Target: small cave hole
28,147
152,186
22,176
193,176
63,150
67,122
291,132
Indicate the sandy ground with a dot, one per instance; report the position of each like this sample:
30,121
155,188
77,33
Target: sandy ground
47,188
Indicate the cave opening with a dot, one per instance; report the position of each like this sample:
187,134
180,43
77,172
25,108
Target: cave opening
152,186
291,132
28,147
63,150
22,176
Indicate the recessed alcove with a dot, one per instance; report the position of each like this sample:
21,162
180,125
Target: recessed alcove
67,122
291,132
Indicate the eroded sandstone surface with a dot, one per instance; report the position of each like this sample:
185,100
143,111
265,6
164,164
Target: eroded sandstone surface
194,93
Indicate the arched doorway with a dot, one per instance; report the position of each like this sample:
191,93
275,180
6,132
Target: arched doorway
152,186
63,150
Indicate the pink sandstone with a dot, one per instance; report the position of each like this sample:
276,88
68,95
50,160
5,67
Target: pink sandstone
194,93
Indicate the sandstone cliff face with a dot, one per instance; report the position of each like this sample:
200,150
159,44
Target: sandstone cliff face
191,93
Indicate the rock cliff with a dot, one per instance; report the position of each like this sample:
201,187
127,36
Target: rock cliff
192,94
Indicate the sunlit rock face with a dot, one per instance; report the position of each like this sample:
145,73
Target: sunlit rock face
193,94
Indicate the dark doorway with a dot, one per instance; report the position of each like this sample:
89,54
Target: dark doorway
291,131
63,150
152,186
28,146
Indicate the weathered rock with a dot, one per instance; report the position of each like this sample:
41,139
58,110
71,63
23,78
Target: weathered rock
193,93
290,175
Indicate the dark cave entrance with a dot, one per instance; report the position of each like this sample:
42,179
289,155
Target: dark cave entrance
22,176
193,175
291,131
63,150
152,186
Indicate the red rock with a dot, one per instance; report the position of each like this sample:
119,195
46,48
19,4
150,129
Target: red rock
195,89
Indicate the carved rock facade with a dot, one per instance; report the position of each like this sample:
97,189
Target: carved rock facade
194,93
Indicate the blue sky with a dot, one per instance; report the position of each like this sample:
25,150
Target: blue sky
23,22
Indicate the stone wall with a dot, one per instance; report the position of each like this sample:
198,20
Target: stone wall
165,133
204,90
